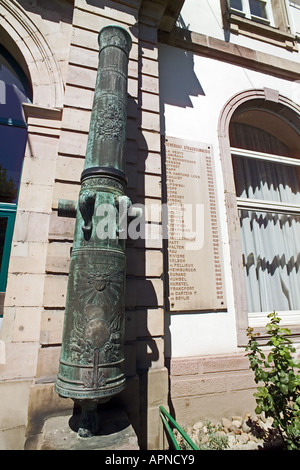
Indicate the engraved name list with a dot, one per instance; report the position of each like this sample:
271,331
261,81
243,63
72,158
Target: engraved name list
194,255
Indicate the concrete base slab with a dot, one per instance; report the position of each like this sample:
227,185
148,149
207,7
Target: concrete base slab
115,433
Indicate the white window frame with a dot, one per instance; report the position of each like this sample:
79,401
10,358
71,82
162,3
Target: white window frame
246,13
290,317
289,5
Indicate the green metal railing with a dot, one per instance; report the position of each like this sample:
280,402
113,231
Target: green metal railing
167,419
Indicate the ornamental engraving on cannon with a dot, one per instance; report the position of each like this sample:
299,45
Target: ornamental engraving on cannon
91,368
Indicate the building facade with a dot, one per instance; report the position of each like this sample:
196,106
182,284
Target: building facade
212,158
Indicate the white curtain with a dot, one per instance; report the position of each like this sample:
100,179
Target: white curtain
249,137
270,243
259,179
270,240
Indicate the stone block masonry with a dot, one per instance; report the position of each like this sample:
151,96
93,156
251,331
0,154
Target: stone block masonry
58,122
222,384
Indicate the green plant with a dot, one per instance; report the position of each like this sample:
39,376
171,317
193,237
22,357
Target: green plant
215,440
278,393
209,438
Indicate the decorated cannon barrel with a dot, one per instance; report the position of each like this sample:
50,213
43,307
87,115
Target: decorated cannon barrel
91,368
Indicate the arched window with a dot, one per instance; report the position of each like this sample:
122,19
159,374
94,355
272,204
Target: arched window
265,149
14,90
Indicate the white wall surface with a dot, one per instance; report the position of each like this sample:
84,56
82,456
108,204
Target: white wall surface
193,91
205,17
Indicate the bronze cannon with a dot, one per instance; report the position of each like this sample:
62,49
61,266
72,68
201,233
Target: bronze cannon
91,368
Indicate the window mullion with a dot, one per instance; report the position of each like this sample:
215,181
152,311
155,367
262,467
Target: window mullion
267,206
268,6
270,12
265,156
235,9
246,7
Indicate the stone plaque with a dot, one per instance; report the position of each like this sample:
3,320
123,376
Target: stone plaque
194,249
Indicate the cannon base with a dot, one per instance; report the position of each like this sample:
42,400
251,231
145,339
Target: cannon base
115,432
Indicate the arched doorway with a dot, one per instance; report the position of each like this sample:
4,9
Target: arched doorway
14,91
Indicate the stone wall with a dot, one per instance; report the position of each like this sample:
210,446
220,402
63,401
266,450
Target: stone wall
144,288
26,31
56,43
210,387
58,131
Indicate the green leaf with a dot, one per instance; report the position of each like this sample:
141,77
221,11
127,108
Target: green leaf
274,341
284,388
270,357
280,397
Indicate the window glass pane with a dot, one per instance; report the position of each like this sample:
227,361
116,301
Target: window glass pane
258,8
249,137
271,258
236,4
14,91
13,141
13,88
259,179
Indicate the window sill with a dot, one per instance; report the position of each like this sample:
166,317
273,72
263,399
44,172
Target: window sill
262,337
262,32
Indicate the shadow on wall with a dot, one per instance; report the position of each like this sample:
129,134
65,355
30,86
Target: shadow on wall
53,10
178,81
141,350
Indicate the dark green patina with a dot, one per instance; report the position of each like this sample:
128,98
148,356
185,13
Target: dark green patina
91,368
